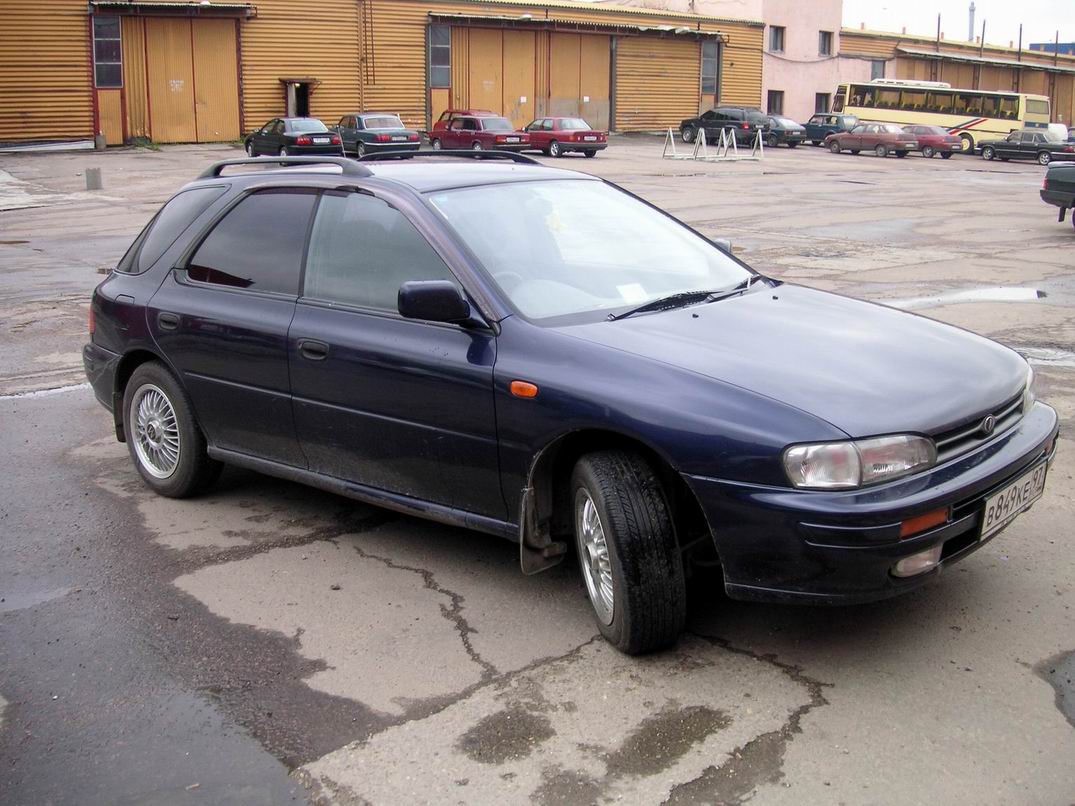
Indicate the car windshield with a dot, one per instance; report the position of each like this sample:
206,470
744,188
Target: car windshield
567,124
382,122
308,125
575,246
497,125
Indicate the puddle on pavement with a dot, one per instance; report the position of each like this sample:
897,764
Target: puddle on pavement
991,294
1047,356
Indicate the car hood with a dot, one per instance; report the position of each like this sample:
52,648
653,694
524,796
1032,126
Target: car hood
865,368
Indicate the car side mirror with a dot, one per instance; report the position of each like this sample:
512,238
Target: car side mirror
433,301
723,244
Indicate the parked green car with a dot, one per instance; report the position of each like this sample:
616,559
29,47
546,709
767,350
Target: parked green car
1059,188
1029,144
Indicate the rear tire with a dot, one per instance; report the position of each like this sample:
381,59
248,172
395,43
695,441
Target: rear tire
590,153
1044,158
360,149
928,152
632,566
988,153
947,155
555,150
772,141
163,438
687,134
881,150
834,147
250,150
477,146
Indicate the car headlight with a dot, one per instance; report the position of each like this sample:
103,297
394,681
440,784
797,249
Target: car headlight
845,465
1029,392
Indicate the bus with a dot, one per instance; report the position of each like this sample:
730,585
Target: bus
974,115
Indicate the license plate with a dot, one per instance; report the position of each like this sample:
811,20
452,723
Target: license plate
320,139
1003,506
399,139
589,137
511,139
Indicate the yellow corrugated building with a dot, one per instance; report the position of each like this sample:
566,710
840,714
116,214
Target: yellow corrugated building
968,65
179,71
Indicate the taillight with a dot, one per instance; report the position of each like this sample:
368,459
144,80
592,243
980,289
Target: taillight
413,138
746,125
335,139
303,141
92,321
1068,149
501,139
1044,186
384,138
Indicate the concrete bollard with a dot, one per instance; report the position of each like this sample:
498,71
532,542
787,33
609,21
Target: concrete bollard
93,179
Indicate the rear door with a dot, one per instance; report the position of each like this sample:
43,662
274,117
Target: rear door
222,322
395,404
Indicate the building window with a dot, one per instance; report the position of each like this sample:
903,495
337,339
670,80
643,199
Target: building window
776,38
776,102
107,53
877,69
440,56
710,59
824,43
821,101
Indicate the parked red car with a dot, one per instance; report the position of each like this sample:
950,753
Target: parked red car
558,136
935,140
476,130
881,138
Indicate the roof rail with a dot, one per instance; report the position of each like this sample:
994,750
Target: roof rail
451,152
347,165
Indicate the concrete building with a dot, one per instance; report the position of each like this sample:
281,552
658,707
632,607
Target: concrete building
203,71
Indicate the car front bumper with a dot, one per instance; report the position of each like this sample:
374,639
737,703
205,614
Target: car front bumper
780,544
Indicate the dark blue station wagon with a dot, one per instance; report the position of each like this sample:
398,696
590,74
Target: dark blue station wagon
537,354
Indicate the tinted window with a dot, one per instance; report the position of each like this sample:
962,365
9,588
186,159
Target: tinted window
258,245
497,125
574,124
382,122
172,221
308,125
362,251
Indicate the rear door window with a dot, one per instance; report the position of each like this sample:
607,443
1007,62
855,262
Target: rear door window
258,245
362,250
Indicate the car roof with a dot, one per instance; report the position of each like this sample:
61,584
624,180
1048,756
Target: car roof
419,175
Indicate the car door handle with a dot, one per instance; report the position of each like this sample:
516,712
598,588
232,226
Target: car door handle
168,321
313,350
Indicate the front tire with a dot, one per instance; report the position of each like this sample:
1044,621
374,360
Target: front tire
435,145
631,562
250,149
988,153
1044,158
947,155
881,150
360,149
163,438
555,150
834,147
687,134
477,146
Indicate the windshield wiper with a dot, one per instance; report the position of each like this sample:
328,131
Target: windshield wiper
684,298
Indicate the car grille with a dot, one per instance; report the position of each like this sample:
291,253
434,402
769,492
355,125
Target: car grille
966,437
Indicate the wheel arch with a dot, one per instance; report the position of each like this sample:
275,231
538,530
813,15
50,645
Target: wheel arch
124,370
545,523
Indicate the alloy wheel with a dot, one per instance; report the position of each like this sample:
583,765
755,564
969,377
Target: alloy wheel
156,432
593,556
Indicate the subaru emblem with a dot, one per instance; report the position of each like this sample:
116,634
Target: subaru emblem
989,422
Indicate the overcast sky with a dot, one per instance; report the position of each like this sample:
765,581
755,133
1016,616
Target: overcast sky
1040,18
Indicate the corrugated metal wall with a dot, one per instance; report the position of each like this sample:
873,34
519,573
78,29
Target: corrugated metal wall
134,76
46,91
657,82
308,40
740,75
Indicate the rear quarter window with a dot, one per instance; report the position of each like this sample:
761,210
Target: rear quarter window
166,226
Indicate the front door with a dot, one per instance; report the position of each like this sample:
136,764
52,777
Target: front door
395,404
222,323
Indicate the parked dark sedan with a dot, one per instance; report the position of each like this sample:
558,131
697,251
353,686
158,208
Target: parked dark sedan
1029,144
293,137
536,354
821,126
880,138
1058,188
742,122
784,130
375,133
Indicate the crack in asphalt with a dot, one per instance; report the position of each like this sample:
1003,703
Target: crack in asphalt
760,760
454,613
